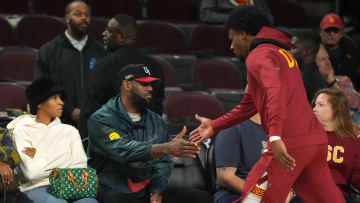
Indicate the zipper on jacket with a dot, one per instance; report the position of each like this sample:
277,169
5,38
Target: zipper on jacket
81,71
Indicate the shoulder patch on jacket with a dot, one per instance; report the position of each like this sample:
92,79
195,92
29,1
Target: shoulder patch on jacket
114,136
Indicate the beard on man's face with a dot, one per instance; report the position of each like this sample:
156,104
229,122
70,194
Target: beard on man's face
77,30
138,101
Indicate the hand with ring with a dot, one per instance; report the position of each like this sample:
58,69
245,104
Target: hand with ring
6,173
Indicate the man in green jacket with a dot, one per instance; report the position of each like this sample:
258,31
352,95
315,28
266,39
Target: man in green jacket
128,144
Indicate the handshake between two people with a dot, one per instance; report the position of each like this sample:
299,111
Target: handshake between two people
179,147
183,148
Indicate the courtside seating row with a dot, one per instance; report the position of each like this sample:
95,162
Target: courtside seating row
153,35
287,13
223,77
17,64
196,173
139,9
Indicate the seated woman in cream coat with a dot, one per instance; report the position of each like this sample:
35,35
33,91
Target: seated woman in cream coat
44,143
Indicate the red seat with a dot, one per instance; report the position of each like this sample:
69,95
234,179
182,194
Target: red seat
217,74
35,30
54,8
161,36
171,10
14,6
12,96
110,8
211,38
169,71
6,34
17,63
288,13
184,105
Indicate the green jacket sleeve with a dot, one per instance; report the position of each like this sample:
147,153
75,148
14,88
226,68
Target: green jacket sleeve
161,167
116,143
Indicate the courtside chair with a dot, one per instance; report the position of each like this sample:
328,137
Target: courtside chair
162,37
184,106
17,64
12,96
35,30
6,33
210,39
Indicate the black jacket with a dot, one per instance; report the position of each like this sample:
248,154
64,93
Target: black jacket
348,62
312,79
69,68
103,83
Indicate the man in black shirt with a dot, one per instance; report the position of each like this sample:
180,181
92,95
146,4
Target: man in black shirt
69,58
120,39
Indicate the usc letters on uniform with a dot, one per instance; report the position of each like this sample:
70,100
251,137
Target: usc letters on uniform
344,161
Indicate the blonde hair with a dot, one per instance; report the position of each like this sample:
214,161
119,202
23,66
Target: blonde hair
344,125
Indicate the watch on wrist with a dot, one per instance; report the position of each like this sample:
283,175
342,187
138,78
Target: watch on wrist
333,82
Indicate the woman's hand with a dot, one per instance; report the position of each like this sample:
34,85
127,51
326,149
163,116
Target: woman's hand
6,173
30,151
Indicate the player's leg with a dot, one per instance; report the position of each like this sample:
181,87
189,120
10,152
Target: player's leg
315,184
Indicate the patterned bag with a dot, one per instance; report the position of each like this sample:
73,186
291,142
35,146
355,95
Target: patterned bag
73,183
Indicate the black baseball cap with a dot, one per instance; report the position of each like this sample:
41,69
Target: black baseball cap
138,72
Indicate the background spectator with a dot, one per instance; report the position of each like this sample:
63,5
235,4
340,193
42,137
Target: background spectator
332,110
339,82
69,58
304,49
237,149
217,11
344,54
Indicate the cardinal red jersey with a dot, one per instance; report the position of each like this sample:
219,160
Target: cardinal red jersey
276,91
344,161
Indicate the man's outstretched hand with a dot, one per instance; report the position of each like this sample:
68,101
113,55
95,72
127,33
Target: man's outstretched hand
180,136
203,132
281,155
177,147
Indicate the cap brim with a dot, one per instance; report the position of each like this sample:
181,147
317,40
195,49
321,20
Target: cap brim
146,79
331,25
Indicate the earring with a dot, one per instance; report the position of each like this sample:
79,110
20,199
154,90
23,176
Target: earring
39,106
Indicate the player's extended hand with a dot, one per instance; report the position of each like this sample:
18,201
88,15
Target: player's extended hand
281,155
203,132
